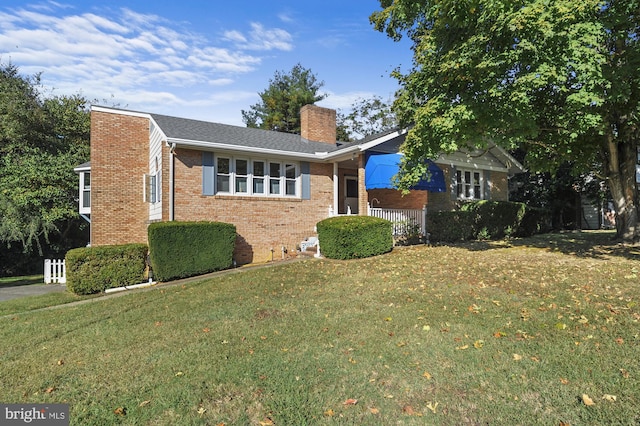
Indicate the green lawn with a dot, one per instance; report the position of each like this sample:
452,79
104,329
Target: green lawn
485,333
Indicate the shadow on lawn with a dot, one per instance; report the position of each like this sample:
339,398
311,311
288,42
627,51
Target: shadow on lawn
21,281
588,244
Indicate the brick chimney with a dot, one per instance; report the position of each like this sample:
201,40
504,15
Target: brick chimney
318,124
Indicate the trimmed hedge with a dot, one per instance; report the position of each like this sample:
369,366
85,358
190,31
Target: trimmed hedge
185,249
487,220
95,269
450,226
352,237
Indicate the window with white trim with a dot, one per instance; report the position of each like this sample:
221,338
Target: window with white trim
85,192
469,185
152,188
246,176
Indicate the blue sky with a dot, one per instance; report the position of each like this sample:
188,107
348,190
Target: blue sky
198,59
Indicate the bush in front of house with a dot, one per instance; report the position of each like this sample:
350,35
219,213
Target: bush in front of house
499,219
450,226
94,269
185,249
487,220
353,237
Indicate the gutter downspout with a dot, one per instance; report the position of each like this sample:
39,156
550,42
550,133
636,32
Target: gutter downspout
172,149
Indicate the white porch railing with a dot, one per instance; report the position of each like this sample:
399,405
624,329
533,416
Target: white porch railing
55,271
405,221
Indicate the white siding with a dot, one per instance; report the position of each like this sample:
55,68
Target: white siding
481,160
155,167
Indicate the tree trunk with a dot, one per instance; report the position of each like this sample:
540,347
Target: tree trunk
621,167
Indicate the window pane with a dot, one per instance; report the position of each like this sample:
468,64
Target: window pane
290,171
352,188
258,168
153,189
86,180
274,169
223,183
241,184
242,167
458,183
258,185
274,186
476,192
290,187
86,199
223,165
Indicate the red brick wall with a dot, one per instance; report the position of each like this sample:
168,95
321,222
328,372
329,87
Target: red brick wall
119,159
393,199
262,223
318,124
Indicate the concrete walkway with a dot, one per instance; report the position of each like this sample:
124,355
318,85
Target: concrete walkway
8,292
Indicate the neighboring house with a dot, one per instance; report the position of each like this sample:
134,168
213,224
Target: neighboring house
274,187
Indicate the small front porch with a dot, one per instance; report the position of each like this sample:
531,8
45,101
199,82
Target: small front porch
363,185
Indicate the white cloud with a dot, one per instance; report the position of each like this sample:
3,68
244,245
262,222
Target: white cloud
139,59
344,101
261,38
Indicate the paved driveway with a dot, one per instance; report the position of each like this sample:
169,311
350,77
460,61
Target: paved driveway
8,292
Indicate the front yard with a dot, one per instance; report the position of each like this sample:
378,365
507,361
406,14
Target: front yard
537,331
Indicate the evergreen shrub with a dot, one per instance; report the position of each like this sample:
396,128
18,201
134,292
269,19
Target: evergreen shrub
352,237
185,249
95,269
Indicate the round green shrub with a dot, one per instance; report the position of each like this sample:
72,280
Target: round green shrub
353,237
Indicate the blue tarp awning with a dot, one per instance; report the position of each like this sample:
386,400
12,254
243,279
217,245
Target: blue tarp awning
380,169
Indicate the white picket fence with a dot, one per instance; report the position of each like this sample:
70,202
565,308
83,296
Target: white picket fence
55,271
405,221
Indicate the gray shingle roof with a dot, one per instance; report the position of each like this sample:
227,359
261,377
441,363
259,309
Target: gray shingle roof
204,131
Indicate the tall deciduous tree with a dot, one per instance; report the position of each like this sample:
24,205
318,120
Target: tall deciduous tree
280,103
369,116
557,77
41,141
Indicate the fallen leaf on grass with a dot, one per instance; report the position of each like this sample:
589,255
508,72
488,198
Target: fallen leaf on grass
461,348
374,410
267,422
329,413
586,400
144,403
60,362
620,340
432,407
407,409
201,410
610,398
427,375
206,329
517,357
624,373
50,389
564,381
478,344
350,401
120,411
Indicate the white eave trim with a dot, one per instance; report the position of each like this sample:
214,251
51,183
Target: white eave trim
82,169
470,165
212,146
98,108
382,139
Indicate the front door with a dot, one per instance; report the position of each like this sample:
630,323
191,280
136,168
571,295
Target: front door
351,194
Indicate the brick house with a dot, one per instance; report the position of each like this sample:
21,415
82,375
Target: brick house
274,187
